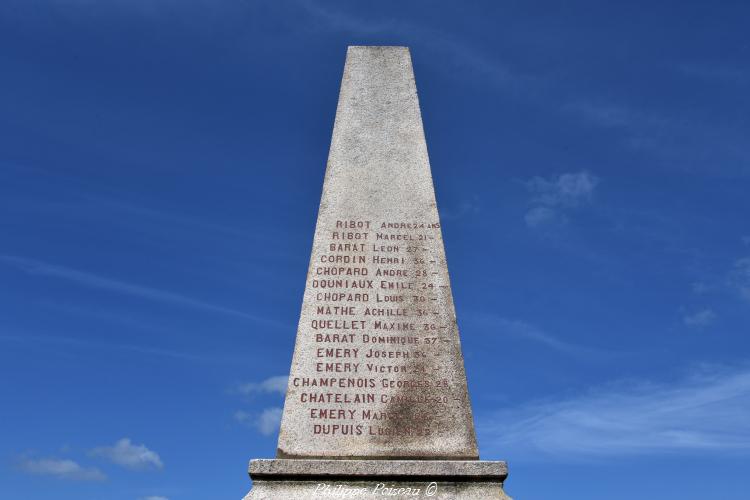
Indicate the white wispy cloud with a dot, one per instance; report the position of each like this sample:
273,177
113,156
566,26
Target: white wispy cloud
266,422
129,455
456,54
740,277
164,217
700,287
538,216
565,190
39,268
464,209
551,197
701,413
720,73
734,281
679,141
60,468
699,319
155,497
271,384
603,114
88,343
499,325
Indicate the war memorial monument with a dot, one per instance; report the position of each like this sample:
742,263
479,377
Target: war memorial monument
377,403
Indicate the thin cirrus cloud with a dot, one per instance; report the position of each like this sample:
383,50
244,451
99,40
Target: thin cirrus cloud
266,422
736,281
276,384
702,413
88,343
721,73
60,468
39,268
466,208
454,52
322,16
525,331
679,140
699,319
740,277
129,455
553,197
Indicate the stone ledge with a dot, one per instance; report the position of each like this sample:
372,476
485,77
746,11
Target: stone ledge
441,470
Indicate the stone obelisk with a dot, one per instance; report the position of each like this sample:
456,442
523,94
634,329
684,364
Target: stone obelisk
377,394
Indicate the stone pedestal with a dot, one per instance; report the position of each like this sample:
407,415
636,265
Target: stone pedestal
303,479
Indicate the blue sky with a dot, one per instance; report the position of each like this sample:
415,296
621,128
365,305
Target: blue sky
161,164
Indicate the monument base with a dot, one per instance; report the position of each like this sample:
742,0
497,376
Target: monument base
305,479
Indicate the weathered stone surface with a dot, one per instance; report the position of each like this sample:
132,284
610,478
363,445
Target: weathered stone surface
377,368
299,479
